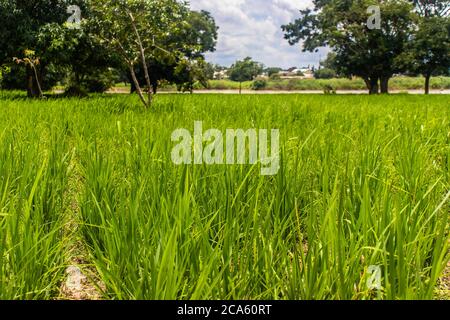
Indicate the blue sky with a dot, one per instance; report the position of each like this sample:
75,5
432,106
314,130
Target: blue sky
253,28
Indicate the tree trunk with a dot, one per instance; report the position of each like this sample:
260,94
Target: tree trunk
144,63
31,89
427,83
374,88
384,84
372,84
36,76
240,87
133,86
138,87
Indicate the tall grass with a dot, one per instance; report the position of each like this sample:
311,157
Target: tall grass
363,182
396,83
33,165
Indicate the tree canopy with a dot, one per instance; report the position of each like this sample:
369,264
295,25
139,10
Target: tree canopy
245,70
23,25
161,39
374,54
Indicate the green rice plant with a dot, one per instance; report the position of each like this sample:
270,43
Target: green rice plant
364,183
33,165
360,185
396,83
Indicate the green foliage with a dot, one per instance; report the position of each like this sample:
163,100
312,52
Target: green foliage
259,84
137,30
431,46
14,80
397,83
73,90
189,72
272,71
208,70
4,69
275,77
80,56
200,33
245,70
329,62
100,82
363,181
156,21
369,54
324,73
23,24
198,37
328,89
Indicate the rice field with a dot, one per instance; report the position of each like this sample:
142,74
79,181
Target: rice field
363,183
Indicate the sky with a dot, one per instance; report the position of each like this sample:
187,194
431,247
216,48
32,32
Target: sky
253,28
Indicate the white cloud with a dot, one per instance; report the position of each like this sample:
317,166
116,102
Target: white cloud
253,28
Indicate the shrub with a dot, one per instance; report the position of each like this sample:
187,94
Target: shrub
328,89
259,84
325,73
275,76
75,91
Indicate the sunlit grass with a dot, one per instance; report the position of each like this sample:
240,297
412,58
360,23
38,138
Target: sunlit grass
364,181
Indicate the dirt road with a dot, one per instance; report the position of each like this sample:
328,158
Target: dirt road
447,91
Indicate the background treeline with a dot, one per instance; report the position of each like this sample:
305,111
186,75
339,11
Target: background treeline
413,37
398,84
152,43
39,48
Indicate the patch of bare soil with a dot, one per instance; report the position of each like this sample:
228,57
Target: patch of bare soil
443,287
81,282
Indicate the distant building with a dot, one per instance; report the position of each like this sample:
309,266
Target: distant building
221,75
263,75
291,72
297,73
307,73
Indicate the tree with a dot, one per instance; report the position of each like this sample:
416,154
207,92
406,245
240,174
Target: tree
208,70
324,73
188,72
136,30
271,71
22,22
360,51
200,34
429,50
162,67
31,61
329,62
87,65
197,36
245,70
3,70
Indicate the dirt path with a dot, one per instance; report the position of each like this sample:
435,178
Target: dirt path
443,287
361,92
444,283
82,282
